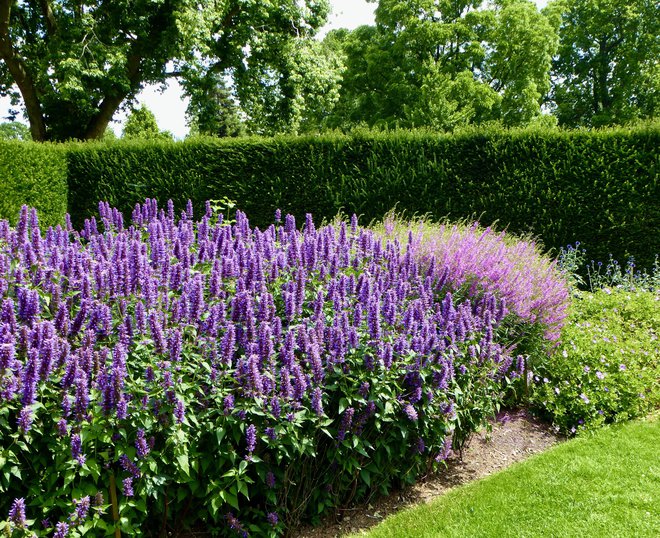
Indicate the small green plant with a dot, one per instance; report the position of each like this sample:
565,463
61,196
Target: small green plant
608,364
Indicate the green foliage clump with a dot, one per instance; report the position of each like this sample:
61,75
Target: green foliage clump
599,187
141,124
33,174
608,365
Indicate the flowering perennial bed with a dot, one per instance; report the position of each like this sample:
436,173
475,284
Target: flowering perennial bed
174,372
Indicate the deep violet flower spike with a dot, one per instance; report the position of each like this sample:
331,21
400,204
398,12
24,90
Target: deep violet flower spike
61,530
317,401
17,513
141,444
127,485
346,421
82,508
251,438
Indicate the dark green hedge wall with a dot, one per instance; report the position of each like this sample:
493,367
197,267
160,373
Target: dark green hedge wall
36,175
599,188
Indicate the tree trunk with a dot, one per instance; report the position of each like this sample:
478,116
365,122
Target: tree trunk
21,76
99,122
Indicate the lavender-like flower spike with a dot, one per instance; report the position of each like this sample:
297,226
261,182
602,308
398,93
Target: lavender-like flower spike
61,530
179,410
76,449
17,513
410,412
251,438
127,485
25,419
82,508
346,421
141,444
317,403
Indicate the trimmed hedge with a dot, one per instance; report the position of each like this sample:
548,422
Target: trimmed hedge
599,188
36,175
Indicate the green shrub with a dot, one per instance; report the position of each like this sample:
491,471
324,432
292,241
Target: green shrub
33,174
596,187
607,368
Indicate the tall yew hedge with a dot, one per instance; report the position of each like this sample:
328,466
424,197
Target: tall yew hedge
596,187
599,188
36,175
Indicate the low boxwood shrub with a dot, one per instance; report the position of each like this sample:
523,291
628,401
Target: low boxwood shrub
170,372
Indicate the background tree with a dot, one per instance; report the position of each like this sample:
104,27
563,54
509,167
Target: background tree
213,110
14,130
141,124
289,87
445,63
607,69
73,64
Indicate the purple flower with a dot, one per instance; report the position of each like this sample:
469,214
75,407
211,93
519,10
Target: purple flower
141,444
76,449
127,484
129,466
61,530
25,418
584,397
270,479
272,519
17,513
179,410
82,508
317,403
251,438
445,451
410,412
229,403
346,421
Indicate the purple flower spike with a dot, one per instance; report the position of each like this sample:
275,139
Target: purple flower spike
127,485
61,530
141,444
410,412
272,519
317,404
25,419
251,438
17,513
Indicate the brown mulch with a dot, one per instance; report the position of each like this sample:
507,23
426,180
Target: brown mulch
515,436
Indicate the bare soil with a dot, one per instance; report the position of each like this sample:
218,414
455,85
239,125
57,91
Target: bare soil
514,437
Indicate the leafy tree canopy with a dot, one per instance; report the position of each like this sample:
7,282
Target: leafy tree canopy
607,69
445,63
14,130
73,63
141,124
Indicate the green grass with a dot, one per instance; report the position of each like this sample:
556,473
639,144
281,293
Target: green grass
606,484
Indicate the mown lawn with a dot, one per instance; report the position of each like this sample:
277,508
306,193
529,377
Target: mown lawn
601,484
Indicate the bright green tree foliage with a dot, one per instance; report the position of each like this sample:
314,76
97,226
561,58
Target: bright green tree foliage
74,63
213,110
608,68
289,88
141,124
442,64
13,130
